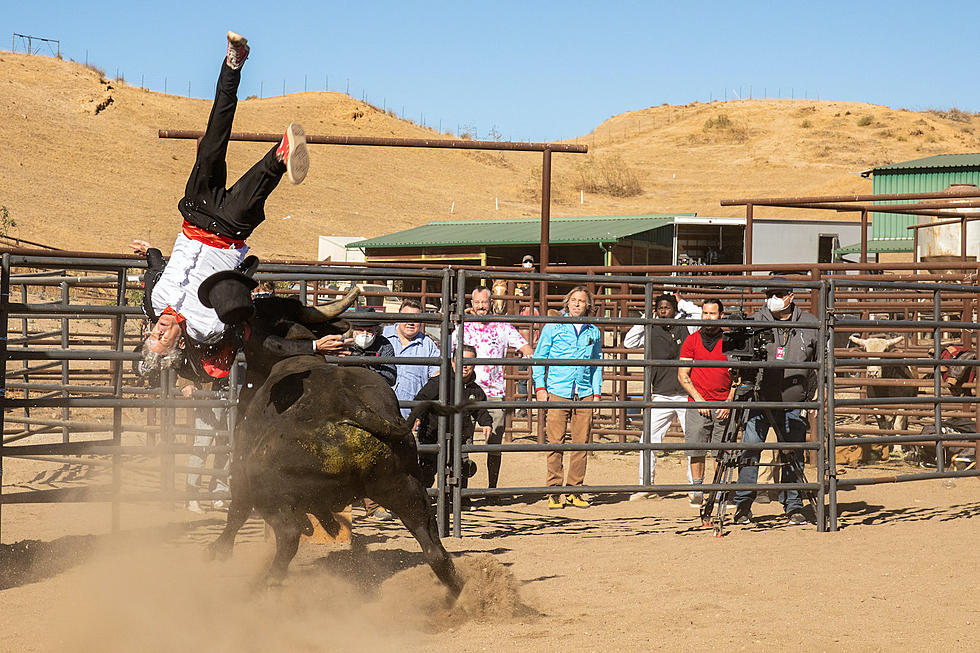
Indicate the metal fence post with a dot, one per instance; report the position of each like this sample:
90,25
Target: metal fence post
821,397
831,419
117,367
647,455
4,308
457,441
445,325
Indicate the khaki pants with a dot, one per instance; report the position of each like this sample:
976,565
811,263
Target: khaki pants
555,422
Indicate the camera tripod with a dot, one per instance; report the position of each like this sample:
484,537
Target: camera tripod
727,461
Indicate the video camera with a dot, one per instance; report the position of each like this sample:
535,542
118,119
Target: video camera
746,343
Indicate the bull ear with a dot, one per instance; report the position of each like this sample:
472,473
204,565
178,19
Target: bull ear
858,341
318,314
894,341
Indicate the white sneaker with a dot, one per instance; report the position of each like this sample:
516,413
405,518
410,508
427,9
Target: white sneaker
218,504
194,506
237,50
639,496
696,498
293,152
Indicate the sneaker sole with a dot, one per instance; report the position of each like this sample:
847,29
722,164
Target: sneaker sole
236,39
298,161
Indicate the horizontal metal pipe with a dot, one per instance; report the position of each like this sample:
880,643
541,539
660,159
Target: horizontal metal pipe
642,446
904,439
904,478
104,447
766,201
628,489
434,143
105,493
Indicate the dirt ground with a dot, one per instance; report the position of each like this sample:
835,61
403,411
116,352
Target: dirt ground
620,576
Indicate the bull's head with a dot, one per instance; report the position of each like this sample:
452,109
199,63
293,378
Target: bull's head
876,346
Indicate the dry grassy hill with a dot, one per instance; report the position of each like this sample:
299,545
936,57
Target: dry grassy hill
83,168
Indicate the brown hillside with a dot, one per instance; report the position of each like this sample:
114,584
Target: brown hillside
82,172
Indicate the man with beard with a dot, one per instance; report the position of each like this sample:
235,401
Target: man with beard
428,431
704,384
665,344
410,341
491,340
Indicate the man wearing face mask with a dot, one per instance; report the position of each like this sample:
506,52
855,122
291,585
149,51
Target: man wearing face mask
791,344
368,341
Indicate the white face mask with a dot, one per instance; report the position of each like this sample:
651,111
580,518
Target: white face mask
776,304
363,340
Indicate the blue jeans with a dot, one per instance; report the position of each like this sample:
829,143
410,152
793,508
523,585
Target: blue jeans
756,428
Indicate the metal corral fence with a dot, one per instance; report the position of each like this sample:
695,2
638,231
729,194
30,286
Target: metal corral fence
71,400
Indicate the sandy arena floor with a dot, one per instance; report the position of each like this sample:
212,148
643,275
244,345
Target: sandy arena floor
620,576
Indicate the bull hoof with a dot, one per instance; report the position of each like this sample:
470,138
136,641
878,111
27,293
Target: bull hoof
217,551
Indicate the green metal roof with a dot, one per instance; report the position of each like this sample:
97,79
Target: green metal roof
878,246
520,231
929,163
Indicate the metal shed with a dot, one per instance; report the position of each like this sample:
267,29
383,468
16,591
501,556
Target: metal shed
889,231
648,239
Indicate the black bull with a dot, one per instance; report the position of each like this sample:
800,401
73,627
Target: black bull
315,437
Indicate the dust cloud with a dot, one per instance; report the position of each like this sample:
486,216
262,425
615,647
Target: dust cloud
166,598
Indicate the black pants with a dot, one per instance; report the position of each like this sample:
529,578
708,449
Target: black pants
234,212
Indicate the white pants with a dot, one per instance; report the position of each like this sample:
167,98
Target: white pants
660,420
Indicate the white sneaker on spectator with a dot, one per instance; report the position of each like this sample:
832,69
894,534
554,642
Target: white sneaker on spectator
194,506
639,496
696,499
218,504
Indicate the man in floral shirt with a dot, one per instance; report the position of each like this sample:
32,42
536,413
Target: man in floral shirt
491,340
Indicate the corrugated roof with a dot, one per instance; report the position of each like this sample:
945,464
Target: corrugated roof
878,246
521,231
930,163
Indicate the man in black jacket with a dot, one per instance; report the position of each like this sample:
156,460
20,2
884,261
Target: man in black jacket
428,424
665,344
790,344
368,341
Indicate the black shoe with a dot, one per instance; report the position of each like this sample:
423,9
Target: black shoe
743,516
796,517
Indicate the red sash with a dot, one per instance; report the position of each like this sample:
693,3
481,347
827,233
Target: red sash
211,240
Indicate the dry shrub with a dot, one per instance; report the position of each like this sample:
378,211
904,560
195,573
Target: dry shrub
953,114
562,188
806,124
865,120
720,128
607,175
495,159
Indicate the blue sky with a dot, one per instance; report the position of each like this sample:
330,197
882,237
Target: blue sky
532,70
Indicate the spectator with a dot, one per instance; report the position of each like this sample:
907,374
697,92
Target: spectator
428,426
704,425
564,383
264,289
408,340
665,345
368,341
491,340
792,344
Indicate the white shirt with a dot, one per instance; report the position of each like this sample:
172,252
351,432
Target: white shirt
685,309
191,262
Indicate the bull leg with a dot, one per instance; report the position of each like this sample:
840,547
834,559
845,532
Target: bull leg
238,512
404,495
287,528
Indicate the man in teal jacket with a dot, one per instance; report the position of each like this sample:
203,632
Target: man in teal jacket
577,383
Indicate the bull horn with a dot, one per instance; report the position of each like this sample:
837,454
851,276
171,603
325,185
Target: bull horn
858,341
319,314
894,341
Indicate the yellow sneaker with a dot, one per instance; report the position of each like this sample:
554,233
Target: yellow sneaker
577,500
554,502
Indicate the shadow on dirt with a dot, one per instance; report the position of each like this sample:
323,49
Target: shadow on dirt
30,561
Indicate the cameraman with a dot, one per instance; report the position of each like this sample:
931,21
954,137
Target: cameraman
791,344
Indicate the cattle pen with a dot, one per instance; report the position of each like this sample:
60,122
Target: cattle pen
71,324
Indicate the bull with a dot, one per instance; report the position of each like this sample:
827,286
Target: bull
314,437
885,371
